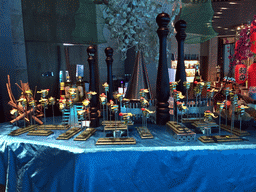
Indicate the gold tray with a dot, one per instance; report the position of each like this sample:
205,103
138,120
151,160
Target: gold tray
22,130
219,138
53,127
68,134
40,133
85,134
116,141
144,133
235,130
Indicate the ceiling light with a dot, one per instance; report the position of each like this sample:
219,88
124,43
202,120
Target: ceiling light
238,28
232,3
219,27
226,28
223,8
216,16
219,13
68,44
232,29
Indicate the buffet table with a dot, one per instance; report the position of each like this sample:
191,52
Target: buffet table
37,163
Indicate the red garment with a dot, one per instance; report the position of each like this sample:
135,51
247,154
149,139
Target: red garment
253,39
252,75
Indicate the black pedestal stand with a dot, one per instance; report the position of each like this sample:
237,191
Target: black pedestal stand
180,27
93,104
162,82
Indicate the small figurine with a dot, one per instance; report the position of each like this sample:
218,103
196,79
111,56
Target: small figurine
208,116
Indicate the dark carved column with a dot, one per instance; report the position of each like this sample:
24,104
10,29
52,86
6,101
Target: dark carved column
109,53
162,82
180,27
93,104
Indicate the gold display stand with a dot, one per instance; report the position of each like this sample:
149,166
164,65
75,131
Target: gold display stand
86,134
235,130
144,133
116,122
53,127
182,133
191,120
22,130
199,124
113,127
219,138
40,132
116,141
68,134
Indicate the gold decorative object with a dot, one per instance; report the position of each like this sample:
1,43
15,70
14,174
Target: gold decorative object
70,133
106,87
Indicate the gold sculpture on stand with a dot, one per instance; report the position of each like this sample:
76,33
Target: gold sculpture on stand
73,130
143,130
18,113
44,102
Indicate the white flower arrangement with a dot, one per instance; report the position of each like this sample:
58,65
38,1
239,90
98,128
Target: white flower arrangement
133,23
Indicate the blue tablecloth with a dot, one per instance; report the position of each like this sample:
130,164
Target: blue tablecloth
30,163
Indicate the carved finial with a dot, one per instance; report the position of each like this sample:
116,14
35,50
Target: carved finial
180,27
163,19
109,52
91,50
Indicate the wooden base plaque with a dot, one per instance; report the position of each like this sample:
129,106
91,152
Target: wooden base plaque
68,134
144,133
219,138
235,130
85,134
22,130
116,141
40,132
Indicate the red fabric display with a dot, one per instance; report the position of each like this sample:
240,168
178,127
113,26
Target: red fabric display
241,73
253,39
252,75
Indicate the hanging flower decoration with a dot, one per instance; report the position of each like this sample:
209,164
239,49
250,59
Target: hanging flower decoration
132,23
243,45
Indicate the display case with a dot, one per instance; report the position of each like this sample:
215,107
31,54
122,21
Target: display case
190,68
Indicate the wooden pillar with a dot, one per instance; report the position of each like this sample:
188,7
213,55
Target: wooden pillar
180,27
162,82
109,60
93,104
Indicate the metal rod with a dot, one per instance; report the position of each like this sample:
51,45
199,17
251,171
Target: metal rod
53,114
226,111
44,119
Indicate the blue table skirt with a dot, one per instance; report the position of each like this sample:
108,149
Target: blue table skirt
30,163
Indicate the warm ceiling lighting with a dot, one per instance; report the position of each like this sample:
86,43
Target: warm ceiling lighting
223,8
226,28
238,28
219,27
219,13
216,16
232,30
232,3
